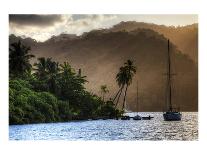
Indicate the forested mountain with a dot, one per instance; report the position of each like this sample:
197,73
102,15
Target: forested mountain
184,37
100,53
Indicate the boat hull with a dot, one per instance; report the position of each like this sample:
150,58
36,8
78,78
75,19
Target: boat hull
172,116
125,118
137,117
147,118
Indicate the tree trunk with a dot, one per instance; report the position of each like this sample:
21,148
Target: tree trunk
123,106
116,95
119,96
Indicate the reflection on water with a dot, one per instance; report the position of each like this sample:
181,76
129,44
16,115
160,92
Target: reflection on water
155,129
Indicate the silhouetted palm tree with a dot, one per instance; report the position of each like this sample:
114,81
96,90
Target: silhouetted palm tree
121,80
130,70
19,59
42,67
104,90
48,71
124,78
66,69
53,75
70,82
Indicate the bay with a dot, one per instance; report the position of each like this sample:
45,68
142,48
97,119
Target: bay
110,130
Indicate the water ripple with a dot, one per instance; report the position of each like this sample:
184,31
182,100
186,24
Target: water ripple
155,129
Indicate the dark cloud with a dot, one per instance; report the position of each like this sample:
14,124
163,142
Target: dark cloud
34,20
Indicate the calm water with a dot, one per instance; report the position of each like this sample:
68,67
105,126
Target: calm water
155,129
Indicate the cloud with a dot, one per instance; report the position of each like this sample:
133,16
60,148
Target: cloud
85,23
42,27
22,20
39,27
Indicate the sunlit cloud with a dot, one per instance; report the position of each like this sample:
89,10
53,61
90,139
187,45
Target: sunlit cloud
42,27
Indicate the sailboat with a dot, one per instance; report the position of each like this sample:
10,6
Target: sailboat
137,117
172,114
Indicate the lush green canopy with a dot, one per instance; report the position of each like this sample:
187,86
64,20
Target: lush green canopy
53,92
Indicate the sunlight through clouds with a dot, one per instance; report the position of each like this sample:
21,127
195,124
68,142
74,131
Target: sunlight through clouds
42,27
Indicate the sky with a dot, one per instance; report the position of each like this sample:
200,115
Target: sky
42,27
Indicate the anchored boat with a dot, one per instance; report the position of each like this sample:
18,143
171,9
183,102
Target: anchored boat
137,117
172,114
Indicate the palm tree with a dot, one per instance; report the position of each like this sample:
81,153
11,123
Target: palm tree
48,71
53,67
121,80
19,58
130,70
124,78
66,69
53,75
104,90
42,67
71,83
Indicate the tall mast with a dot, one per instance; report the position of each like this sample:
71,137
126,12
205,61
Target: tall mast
137,97
169,78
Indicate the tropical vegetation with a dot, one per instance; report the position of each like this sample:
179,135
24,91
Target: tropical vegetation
49,91
104,91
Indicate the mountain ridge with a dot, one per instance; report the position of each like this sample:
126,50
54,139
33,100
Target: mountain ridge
184,37
100,53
